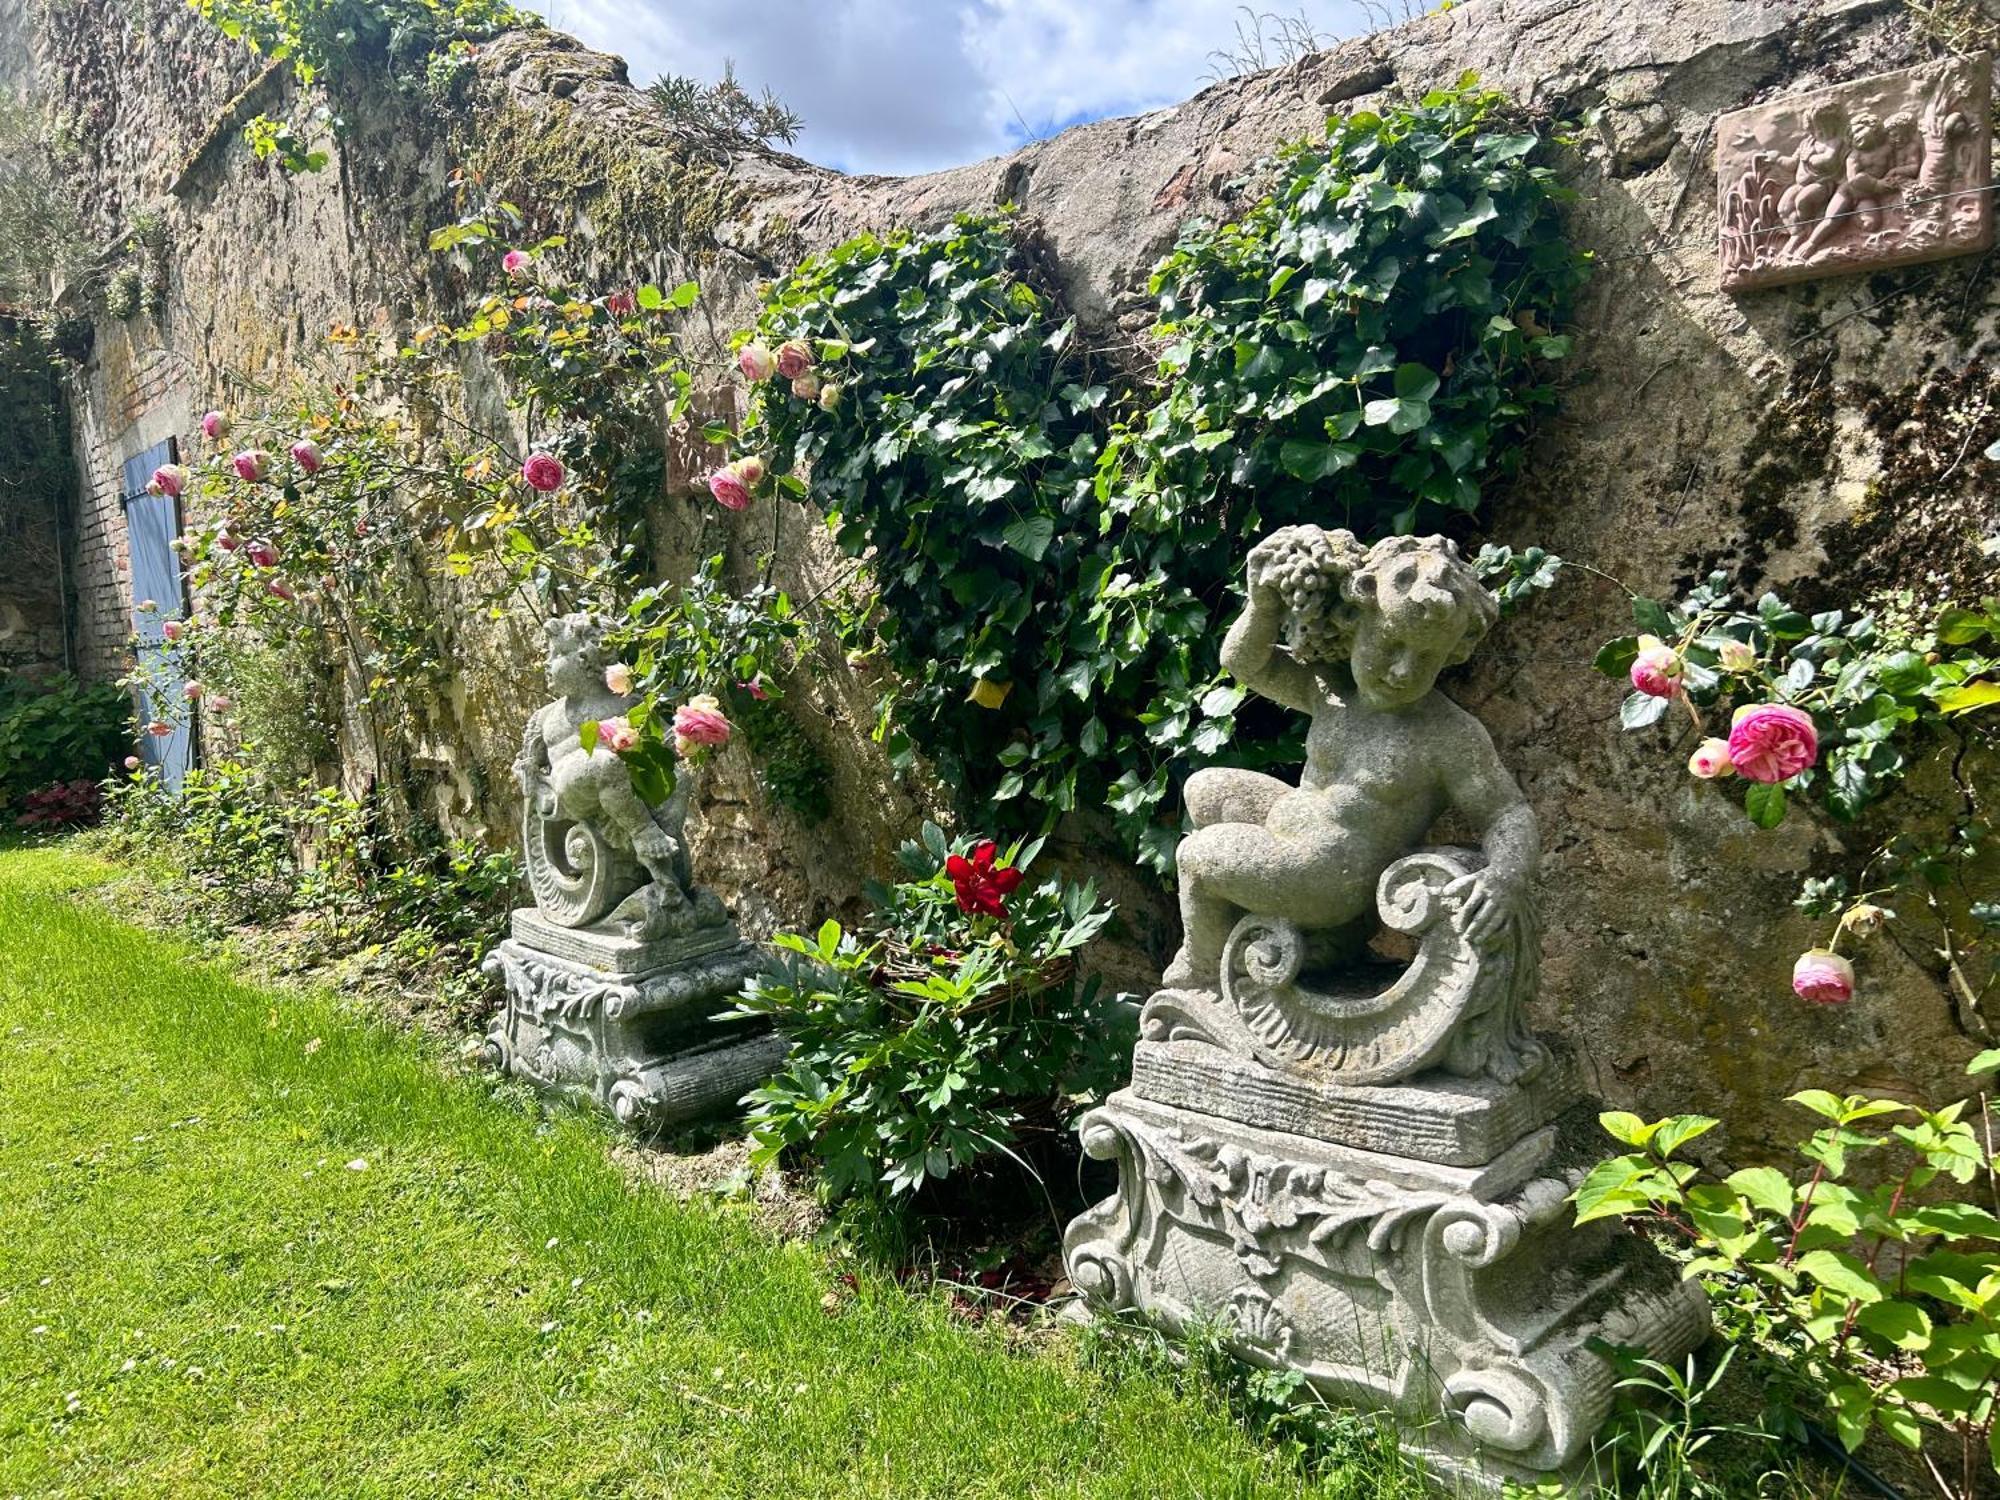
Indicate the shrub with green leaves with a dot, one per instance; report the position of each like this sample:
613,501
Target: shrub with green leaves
1055,552
58,730
1884,1297
941,1033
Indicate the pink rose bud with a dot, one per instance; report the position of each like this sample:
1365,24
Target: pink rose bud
278,587
361,526
699,723
171,629
132,762
795,357
616,734
544,472
1656,670
1865,919
750,470
806,387
171,479
221,703
618,678
755,687
756,361
1710,759
515,262
250,465
191,691
146,606
214,426
262,554
728,488
159,729
1772,741
306,454
1822,977
228,541
621,304
1736,656
153,486
830,394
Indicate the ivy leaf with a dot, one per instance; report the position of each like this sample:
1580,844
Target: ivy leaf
1415,382
1765,804
1959,626
1030,536
1311,461
1964,699
1641,709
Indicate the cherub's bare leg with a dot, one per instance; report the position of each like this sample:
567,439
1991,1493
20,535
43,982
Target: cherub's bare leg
651,844
1222,794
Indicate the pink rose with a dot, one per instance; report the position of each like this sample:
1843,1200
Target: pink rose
806,387
250,465
544,472
1736,656
159,729
262,554
221,703
1656,670
1822,977
621,304
361,526
699,723
306,454
616,734
1772,741
1710,759
153,486
146,606
750,469
755,687
132,762
727,486
171,479
618,678
795,357
515,262
190,691
756,362
214,426
281,589
171,629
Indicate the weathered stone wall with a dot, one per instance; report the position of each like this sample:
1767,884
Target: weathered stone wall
1813,439
36,535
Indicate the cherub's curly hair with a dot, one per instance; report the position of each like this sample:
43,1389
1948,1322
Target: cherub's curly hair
1327,579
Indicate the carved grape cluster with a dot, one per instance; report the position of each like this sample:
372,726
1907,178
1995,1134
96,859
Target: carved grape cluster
1310,567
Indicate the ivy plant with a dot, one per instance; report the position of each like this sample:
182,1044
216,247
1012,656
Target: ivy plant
1056,549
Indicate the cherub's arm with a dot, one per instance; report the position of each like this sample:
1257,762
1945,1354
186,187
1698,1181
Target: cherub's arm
1251,653
1485,791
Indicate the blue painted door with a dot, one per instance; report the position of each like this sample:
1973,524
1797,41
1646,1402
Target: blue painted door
151,524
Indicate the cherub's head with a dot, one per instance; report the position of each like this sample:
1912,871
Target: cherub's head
1866,131
1398,612
576,653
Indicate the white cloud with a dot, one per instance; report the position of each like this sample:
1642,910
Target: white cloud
911,85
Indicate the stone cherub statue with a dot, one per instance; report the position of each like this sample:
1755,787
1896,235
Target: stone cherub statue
594,849
1278,880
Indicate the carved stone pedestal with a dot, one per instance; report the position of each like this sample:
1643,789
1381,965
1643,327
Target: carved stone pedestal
1457,1298
626,1022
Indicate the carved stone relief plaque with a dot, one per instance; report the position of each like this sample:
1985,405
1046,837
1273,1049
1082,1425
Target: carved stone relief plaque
1883,171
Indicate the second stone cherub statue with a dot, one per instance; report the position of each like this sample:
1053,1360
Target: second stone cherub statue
1355,637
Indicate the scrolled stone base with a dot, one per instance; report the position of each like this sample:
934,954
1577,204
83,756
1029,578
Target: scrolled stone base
1459,1299
644,1045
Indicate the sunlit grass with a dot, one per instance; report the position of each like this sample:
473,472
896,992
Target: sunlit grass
253,1245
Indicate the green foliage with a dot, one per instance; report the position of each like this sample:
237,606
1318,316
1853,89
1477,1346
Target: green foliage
935,1037
1885,1298
125,293
422,44
722,117
58,730
42,239
1055,563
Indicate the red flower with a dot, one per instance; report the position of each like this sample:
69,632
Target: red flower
978,885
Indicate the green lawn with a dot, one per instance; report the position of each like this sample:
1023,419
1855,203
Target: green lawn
250,1245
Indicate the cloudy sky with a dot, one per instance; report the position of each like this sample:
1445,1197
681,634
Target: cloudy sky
909,85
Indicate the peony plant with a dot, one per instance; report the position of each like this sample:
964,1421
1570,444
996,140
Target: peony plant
946,1030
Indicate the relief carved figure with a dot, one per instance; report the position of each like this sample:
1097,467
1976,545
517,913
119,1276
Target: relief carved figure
1880,172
